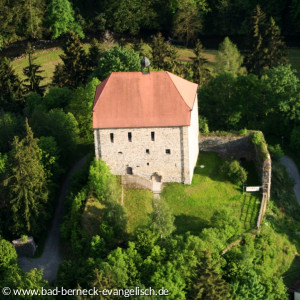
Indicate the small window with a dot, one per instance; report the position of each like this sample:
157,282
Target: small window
152,136
147,151
168,151
129,137
112,137
147,164
120,152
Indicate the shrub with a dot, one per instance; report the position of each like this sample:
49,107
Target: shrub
24,238
234,171
275,151
203,126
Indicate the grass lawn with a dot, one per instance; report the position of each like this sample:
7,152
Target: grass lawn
194,205
91,217
138,206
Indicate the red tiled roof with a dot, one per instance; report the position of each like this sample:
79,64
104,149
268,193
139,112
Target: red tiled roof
134,99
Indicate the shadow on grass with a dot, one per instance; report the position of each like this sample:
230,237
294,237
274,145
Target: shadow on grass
186,223
249,211
292,274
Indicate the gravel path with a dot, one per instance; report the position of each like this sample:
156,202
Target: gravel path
51,257
293,173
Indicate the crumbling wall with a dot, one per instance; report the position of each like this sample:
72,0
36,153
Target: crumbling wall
25,248
234,146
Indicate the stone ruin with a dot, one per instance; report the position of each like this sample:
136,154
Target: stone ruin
25,248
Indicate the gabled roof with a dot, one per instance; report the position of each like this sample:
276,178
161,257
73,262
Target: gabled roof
134,99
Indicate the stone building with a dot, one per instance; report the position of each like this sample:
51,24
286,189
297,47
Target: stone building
146,124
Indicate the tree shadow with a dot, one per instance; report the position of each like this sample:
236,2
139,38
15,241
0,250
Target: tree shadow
185,223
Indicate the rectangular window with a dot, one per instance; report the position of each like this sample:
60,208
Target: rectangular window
147,151
112,137
152,136
168,151
129,137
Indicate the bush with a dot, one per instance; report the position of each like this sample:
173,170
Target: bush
234,171
203,126
275,151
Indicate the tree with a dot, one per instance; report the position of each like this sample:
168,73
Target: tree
61,18
49,157
267,50
81,106
32,82
27,188
74,70
11,96
117,59
187,20
208,282
130,16
201,73
161,50
62,126
229,59
162,219
281,88
33,12
57,98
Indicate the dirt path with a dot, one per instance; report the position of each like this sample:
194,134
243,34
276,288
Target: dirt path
293,172
51,257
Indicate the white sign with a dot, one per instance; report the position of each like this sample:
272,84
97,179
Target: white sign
253,188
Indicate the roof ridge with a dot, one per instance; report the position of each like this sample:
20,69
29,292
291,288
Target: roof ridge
190,108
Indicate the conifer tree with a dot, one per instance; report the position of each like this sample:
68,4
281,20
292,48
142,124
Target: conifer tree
229,59
276,54
267,50
161,50
32,82
201,73
11,96
26,186
208,283
74,70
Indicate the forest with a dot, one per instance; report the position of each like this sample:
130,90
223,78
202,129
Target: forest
248,83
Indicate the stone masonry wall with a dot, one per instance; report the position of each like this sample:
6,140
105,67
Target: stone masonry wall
238,147
228,146
144,155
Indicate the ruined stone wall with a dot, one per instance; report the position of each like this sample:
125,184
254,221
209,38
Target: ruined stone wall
238,147
25,248
137,182
228,146
143,154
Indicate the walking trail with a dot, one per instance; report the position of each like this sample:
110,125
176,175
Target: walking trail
293,172
51,258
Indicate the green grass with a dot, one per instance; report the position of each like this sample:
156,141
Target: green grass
49,58
138,205
194,205
91,217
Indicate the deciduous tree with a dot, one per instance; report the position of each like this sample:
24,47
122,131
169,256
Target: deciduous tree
117,59
61,18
